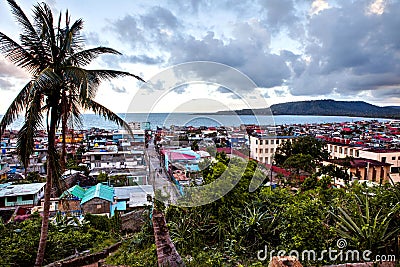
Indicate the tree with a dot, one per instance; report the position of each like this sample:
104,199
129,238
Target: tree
54,55
304,145
299,162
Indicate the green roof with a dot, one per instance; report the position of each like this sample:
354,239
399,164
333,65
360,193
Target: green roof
76,191
101,191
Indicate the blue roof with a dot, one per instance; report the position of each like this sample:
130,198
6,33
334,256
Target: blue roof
76,191
101,191
192,167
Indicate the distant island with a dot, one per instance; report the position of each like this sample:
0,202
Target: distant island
327,107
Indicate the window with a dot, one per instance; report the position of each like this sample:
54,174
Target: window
277,142
27,197
261,142
383,159
97,157
266,142
393,158
12,199
272,150
261,159
256,142
394,169
398,157
272,142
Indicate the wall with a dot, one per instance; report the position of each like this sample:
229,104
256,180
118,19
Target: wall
96,206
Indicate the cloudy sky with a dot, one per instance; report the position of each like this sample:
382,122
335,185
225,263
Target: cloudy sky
291,49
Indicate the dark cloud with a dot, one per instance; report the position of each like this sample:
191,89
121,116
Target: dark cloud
159,17
224,90
93,39
143,59
280,13
127,30
7,69
181,89
118,89
347,50
350,50
5,85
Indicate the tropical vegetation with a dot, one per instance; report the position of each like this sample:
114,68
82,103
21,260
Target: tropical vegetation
233,229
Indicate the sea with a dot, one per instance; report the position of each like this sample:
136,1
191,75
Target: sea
208,120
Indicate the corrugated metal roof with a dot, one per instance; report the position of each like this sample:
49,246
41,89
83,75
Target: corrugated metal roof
101,191
76,191
20,189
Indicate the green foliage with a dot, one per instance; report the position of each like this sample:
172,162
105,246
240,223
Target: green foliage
34,177
306,145
18,245
231,230
98,222
366,227
137,250
102,177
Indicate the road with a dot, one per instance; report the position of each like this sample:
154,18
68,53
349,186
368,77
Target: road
159,179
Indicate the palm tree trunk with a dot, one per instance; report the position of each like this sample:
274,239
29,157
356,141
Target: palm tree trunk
64,129
64,150
51,149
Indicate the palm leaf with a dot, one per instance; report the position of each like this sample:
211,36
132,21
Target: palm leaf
85,57
17,54
101,75
44,23
106,113
29,38
16,106
33,121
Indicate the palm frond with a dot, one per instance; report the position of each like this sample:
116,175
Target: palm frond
46,81
85,57
16,107
18,55
101,75
77,42
106,113
33,121
79,79
44,22
29,38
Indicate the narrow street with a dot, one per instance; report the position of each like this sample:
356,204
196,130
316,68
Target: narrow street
158,177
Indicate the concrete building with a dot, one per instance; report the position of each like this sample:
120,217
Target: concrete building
25,195
4,168
390,156
263,147
338,151
366,169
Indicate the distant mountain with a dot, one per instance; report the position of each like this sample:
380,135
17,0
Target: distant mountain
325,108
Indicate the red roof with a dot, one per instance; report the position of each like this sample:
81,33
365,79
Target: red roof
179,156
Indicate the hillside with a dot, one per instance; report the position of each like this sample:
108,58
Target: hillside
326,108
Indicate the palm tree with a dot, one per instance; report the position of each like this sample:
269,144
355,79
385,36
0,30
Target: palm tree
54,55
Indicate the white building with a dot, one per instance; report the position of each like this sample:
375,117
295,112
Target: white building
338,151
263,147
390,156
